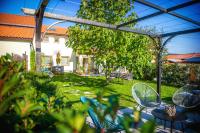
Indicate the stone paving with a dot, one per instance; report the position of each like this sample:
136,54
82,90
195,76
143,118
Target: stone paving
146,115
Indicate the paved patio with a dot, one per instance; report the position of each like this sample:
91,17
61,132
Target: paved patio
146,115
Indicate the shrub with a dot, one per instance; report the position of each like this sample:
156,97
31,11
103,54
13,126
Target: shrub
10,74
175,74
29,103
149,72
32,60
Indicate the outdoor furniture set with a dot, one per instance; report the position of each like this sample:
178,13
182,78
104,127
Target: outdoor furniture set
108,124
122,75
162,115
186,98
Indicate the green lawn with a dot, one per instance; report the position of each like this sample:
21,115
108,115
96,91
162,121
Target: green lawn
72,87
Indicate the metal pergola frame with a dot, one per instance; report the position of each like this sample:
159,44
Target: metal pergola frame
163,10
39,14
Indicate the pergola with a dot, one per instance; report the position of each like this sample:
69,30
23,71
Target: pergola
156,37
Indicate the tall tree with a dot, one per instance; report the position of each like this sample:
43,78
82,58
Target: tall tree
111,48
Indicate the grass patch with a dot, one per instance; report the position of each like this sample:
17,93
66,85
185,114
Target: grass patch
72,87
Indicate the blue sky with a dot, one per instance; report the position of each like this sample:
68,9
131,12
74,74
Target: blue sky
189,43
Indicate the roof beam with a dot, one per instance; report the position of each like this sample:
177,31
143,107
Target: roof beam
88,22
184,18
149,4
179,6
180,32
163,10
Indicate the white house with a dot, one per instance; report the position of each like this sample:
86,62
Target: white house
17,35
54,42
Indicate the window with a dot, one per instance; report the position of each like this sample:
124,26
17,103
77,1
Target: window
65,61
46,39
46,61
56,39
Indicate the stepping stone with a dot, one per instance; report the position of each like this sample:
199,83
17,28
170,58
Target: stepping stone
66,78
105,99
87,92
82,82
67,85
77,84
72,91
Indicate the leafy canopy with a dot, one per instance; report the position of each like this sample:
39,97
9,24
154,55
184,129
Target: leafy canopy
111,48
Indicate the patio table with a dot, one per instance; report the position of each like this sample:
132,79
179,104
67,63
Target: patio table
162,115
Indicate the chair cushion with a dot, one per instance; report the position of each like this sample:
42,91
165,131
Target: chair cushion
193,117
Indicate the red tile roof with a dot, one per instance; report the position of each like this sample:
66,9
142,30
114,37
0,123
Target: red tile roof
16,19
56,30
22,27
180,58
16,26
16,32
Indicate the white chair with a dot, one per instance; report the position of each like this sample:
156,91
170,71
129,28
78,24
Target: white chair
187,96
145,95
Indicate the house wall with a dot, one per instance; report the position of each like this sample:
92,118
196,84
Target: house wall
54,44
48,48
85,64
15,47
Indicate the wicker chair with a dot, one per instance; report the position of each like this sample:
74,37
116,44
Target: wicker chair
187,96
145,95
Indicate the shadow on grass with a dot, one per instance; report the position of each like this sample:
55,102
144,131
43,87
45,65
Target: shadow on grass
111,90
42,83
122,97
129,99
80,80
117,81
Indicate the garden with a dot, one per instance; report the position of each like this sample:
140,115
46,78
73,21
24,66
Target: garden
35,102
41,100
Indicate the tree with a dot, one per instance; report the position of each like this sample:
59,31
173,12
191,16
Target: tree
112,49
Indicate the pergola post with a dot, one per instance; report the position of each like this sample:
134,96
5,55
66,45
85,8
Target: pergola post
39,18
159,66
161,46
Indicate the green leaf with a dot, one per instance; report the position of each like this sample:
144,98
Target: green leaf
79,121
148,127
10,84
6,102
